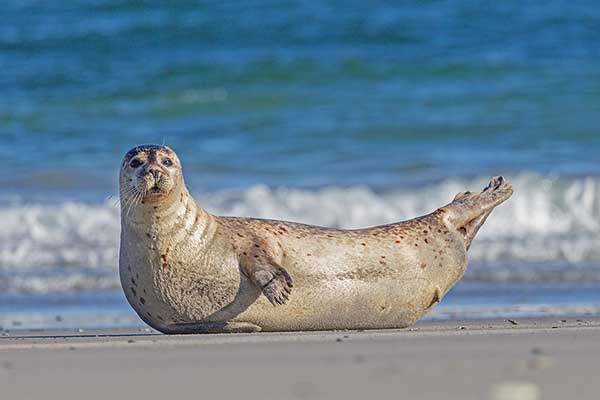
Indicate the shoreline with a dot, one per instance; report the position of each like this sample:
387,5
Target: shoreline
546,358
107,337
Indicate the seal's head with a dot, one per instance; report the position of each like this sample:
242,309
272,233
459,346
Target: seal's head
149,173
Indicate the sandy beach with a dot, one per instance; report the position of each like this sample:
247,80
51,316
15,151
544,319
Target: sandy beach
485,359
340,114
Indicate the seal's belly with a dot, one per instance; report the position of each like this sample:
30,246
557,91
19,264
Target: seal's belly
174,293
347,304
334,288
361,293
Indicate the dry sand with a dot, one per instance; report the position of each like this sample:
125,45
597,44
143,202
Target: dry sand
523,359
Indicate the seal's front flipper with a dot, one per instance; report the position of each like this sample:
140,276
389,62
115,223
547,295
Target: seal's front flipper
468,212
211,327
274,281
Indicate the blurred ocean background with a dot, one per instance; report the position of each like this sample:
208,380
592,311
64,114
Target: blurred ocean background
340,113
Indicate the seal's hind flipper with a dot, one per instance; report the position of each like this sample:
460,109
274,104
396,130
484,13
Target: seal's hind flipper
473,227
468,212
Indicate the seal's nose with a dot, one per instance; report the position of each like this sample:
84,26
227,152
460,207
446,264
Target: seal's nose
155,173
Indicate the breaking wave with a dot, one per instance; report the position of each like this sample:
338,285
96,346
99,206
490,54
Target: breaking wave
548,231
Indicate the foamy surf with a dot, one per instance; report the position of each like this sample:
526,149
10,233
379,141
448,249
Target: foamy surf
548,231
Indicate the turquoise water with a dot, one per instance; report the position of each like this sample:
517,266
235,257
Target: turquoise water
335,113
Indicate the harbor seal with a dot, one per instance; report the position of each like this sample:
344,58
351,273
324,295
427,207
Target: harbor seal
184,270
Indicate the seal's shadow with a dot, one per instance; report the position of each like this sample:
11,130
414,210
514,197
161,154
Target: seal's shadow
246,295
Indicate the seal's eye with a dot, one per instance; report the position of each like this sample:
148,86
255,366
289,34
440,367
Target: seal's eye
136,162
168,162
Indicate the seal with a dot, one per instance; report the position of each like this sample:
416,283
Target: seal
184,270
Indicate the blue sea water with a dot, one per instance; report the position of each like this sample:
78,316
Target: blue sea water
338,113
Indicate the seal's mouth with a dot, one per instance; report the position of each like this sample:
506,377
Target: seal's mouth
156,185
156,189
153,184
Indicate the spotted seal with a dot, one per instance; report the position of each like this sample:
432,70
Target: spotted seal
184,270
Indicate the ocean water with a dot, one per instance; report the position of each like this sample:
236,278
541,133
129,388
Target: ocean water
344,114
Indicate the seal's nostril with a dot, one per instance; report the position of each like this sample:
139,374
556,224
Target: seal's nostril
155,173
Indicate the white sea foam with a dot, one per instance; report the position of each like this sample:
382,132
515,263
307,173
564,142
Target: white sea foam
73,245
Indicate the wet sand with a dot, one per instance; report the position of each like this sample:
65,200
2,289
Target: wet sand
498,359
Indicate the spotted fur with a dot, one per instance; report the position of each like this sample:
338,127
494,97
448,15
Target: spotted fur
184,270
